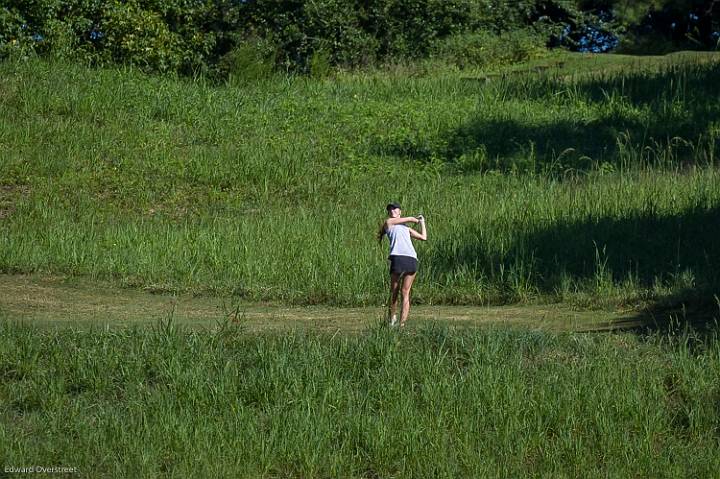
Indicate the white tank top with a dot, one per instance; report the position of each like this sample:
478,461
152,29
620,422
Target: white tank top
400,242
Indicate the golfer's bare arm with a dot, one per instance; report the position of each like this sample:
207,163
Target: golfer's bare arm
422,235
405,219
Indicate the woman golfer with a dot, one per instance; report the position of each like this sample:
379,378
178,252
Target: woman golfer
403,259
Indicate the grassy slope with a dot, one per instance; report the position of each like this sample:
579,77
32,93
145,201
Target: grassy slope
274,191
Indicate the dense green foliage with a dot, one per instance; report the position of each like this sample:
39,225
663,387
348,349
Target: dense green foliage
227,37
195,36
179,35
435,402
600,187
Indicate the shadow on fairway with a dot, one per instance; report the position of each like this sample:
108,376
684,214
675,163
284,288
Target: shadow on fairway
653,113
691,311
682,250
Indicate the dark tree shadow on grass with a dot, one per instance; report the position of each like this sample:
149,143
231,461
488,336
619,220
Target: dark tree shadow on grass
679,250
692,312
671,115
683,105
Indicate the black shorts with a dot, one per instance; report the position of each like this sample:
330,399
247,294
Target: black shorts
403,264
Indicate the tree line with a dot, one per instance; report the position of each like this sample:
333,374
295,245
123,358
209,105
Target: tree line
253,37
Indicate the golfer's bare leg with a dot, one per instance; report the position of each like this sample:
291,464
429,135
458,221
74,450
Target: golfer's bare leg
394,292
406,287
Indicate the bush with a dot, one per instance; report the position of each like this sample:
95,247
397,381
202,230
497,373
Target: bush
173,35
250,61
15,38
320,63
139,37
332,33
487,50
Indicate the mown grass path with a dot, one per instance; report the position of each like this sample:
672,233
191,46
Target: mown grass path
59,301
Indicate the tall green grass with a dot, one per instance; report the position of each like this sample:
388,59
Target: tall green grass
599,187
172,402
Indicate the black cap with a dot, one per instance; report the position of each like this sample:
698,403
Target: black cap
392,206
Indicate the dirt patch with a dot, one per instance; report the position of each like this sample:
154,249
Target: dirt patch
9,195
59,301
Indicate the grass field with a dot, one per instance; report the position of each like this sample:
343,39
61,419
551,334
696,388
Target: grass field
169,401
190,287
593,183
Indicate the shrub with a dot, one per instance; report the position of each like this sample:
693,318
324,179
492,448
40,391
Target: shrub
487,50
139,37
250,61
15,38
320,63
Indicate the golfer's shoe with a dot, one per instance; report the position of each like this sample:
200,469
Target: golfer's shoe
393,320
